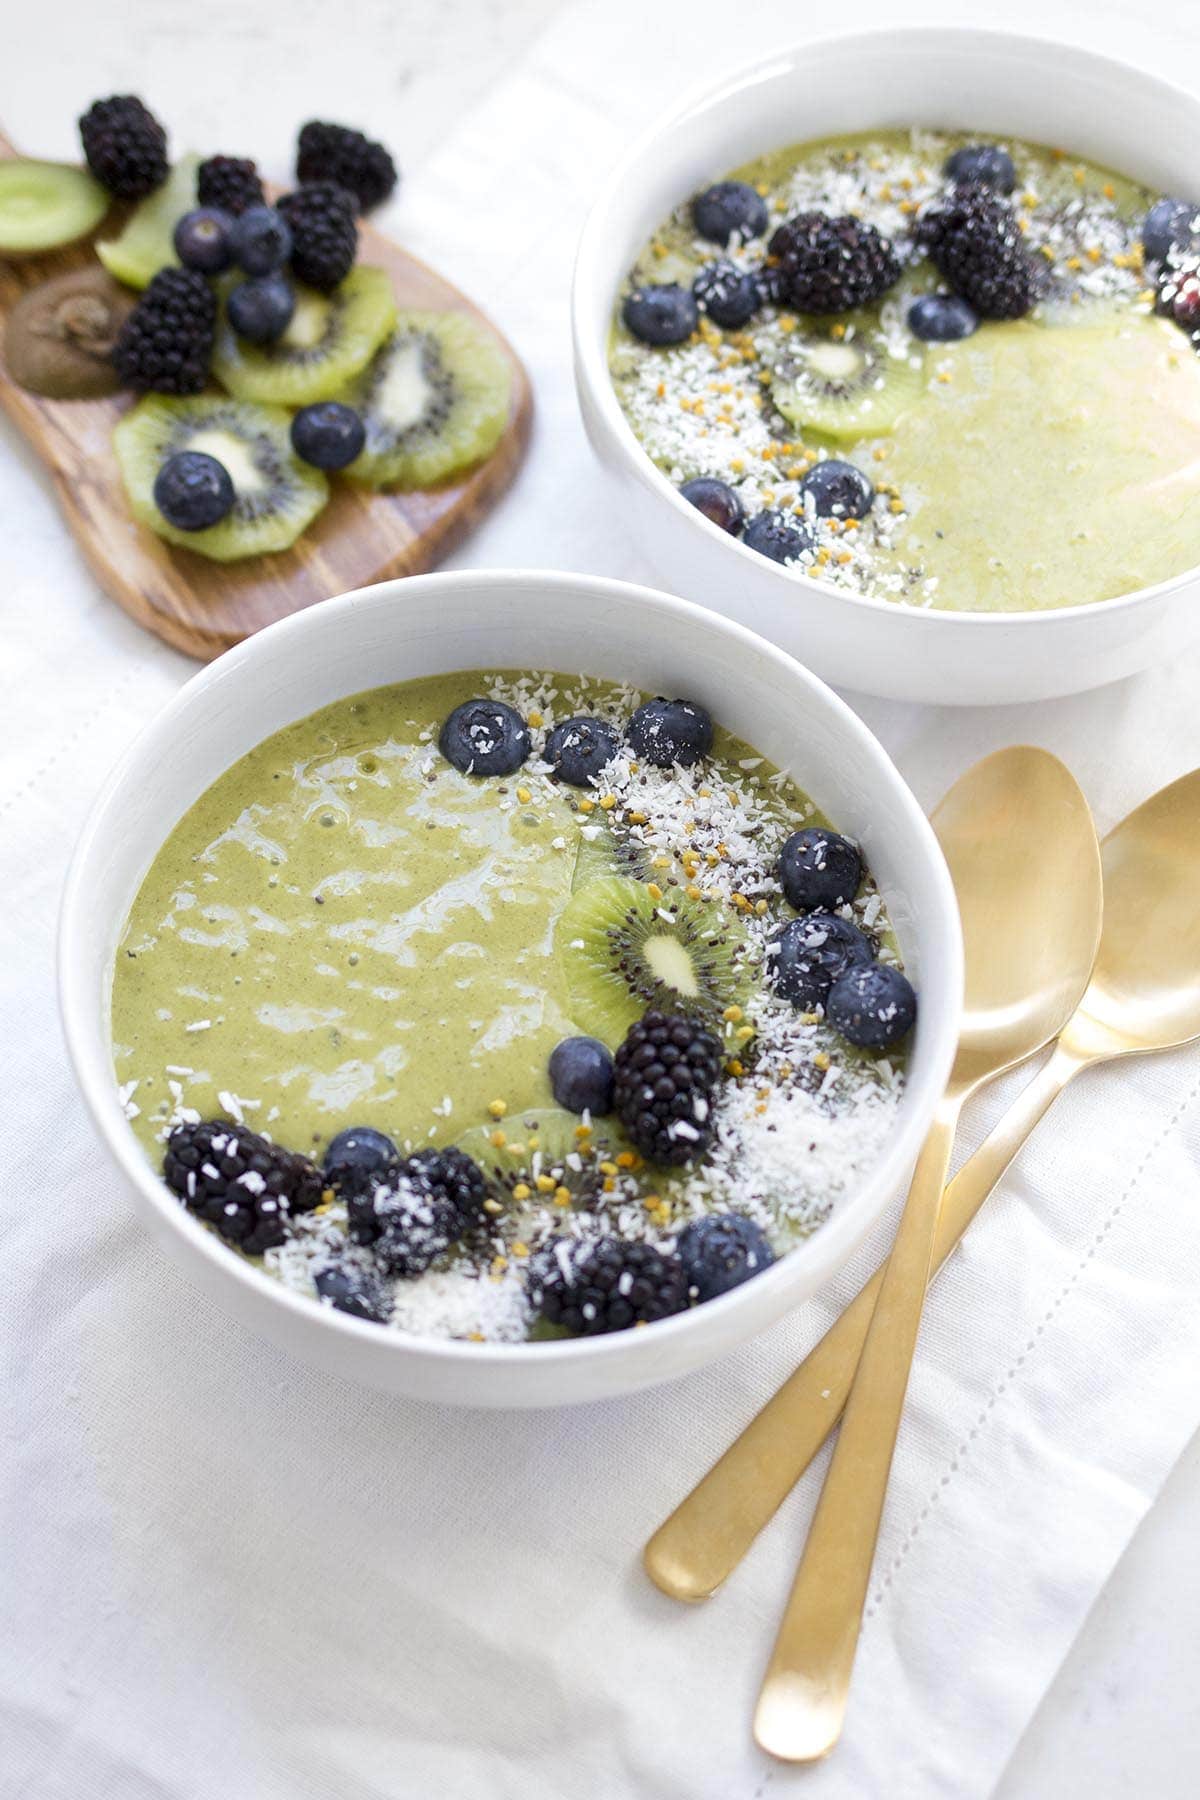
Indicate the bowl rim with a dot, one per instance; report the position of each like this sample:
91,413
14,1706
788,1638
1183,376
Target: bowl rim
83,1011
590,277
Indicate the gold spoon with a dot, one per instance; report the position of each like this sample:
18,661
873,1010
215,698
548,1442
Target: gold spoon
1144,996
1020,843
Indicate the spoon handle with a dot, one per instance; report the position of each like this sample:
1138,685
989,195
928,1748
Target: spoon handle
706,1537
804,1694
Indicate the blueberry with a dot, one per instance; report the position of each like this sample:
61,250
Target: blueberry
193,491
720,1251
837,490
581,1075
484,737
728,208
808,955
728,295
716,501
261,310
781,536
261,240
578,748
872,1007
328,435
819,868
354,1291
355,1155
941,318
202,240
661,315
666,732
1168,222
986,165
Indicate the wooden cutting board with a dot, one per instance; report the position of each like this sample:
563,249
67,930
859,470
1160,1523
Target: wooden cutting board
200,606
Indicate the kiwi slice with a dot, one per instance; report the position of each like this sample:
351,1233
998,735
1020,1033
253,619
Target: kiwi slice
847,386
277,494
145,244
433,400
330,338
625,951
547,1143
45,204
606,855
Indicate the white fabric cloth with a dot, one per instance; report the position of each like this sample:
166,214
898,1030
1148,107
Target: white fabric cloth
226,1575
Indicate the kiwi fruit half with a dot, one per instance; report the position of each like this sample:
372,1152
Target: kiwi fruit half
46,204
845,386
330,338
60,335
434,400
546,1143
624,951
145,245
277,494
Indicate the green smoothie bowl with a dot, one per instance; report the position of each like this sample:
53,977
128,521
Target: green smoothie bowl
891,344
512,988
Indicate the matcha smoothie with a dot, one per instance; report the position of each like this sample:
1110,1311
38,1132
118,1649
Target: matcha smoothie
1007,421
380,1006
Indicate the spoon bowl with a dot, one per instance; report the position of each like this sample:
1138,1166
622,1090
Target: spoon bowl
1018,836
1145,989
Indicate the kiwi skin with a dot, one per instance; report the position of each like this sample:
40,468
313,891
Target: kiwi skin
59,337
622,956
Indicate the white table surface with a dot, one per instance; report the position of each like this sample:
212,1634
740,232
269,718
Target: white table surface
1121,1718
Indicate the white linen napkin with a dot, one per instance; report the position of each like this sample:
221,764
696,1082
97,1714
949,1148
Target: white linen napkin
227,1575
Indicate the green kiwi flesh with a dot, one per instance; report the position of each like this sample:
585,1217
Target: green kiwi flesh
145,244
604,855
45,204
624,951
331,337
434,400
277,494
845,386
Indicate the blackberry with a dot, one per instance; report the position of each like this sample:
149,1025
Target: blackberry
1177,291
240,1182
336,153
231,183
125,146
320,217
607,1286
974,242
166,342
417,1208
665,1075
832,264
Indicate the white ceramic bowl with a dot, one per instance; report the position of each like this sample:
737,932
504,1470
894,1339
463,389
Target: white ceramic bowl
430,625
988,83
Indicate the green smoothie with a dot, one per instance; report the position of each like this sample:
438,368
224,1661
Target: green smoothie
1039,462
347,931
